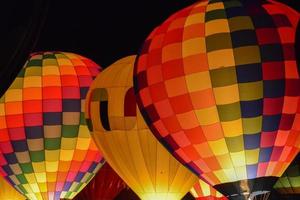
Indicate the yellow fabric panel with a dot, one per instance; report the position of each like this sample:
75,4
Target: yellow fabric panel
7,192
195,19
193,47
215,6
222,97
134,153
221,58
218,147
207,116
13,95
216,26
232,128
192,81
238,159
32,81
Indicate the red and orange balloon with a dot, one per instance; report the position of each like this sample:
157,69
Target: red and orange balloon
218,85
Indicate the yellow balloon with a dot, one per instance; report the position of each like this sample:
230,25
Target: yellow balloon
126,142
7,191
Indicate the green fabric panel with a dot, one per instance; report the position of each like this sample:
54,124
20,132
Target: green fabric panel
215,14
17,83
21,73
218,41
285,182
89,124
24,191
240,23
21,178
229,112
48,56
295,181
99,94
82,119
246,55
223,77
235,144
26,168
251,91
37,156
52,143
70,131
50,62
78,187
60,55
33,71
34,62
232,3
252,125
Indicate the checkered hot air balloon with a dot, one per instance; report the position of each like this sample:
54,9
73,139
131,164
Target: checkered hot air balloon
218,85
46,150
126,142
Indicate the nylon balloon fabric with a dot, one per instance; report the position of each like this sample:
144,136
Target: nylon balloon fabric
8,192
126,142
46,151
106,185
203,191
218,85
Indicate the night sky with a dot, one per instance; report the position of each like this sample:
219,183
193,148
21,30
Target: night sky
103,30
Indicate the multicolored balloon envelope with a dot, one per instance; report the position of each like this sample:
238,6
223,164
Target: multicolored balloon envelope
46,150
288,185
218,85
203,191
125,140
106,185
8,192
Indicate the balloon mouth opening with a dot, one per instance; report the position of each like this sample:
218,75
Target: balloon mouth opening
249,189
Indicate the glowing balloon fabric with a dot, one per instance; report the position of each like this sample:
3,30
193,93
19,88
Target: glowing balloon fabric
46,150
203,191
218,85
8,192
125,140
106,185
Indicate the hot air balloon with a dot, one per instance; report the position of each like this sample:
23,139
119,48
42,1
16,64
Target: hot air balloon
46,150
288,185
126,142
7,191
106,185
203,191
218,85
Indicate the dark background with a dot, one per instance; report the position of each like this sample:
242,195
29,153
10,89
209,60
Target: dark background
103,30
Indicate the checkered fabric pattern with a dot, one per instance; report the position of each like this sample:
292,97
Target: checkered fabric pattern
46,151
127,144
203,191
218,85
289,182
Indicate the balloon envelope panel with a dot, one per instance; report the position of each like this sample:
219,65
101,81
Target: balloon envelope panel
106,185
8,192
125,140
203,191
46,151
218,85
